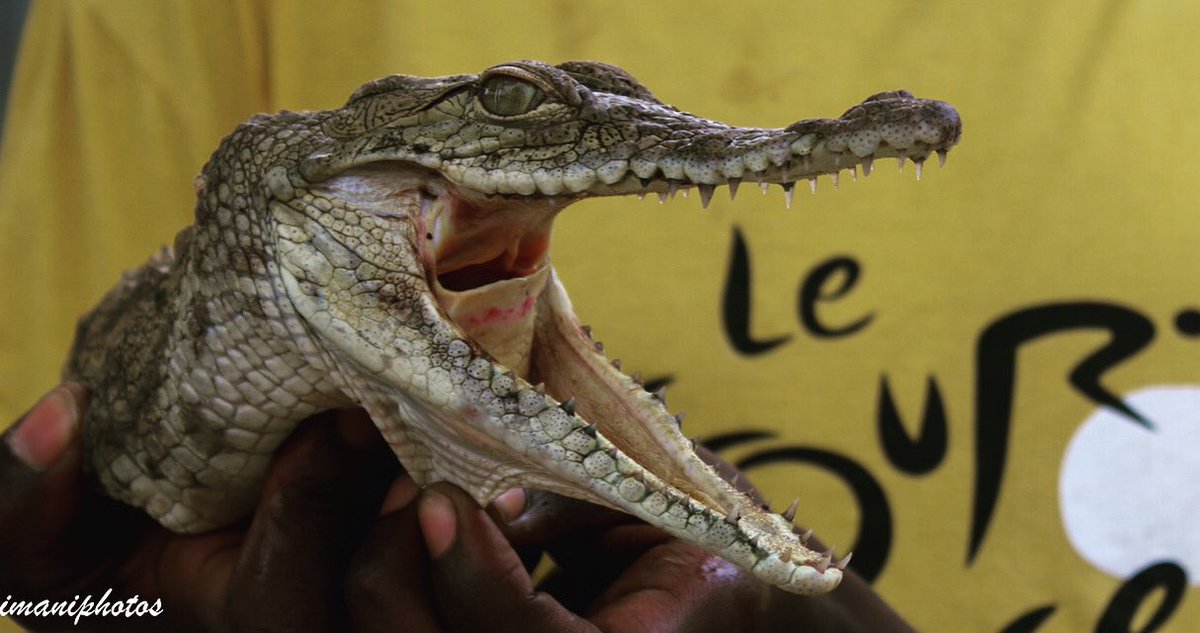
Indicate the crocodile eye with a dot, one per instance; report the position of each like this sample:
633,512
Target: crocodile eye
508,96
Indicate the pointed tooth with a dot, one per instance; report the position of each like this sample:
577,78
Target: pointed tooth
790,513
835,176
540,388
661,395
854,173
685,190
590,429
761,176
900,163
733,186
806,537
641,196
679,417
599,347
694,442
812,184
789,189
842,564
616,363
868,164
568,406
825,561
706,194
762,184
733,516
637,377
942,154
918,165
587,331
672,187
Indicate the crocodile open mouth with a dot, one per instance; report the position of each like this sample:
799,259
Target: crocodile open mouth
475,241
497,382
487,260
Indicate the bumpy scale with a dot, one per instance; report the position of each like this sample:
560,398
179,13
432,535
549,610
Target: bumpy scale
393,253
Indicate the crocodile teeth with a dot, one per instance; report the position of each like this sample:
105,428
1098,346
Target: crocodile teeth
918,166
789,189
868,164
790,513
812,185
942,154
706,194
733,516
733,187
837,174
841,564
825,561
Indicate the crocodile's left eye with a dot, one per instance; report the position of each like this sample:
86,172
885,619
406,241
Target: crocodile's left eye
509,96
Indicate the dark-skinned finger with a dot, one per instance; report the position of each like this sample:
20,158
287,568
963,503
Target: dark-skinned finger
41,488
323,491
678,587
387,584
479,583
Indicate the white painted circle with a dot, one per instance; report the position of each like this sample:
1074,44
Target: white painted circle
1130,496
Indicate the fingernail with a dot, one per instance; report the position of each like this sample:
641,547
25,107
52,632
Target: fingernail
41,438
399,495
511,504
435,513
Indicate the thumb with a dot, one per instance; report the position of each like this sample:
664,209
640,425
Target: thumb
478,581
41,438
40,480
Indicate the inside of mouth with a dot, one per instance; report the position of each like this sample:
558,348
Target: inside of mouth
512,263
481,247
477,242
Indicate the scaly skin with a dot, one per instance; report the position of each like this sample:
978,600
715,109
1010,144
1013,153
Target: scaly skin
393,254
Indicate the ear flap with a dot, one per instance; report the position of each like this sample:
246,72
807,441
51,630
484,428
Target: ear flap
607,78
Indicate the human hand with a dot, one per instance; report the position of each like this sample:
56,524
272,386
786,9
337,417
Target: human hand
283,570
315,557
614,573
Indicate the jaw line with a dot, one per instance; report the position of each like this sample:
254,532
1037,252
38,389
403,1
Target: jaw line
636,439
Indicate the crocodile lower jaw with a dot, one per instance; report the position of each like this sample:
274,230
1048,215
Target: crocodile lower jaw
487,264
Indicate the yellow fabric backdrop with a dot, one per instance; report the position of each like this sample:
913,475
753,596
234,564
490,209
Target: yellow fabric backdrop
1075,182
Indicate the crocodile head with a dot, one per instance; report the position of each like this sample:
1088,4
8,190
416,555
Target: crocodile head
413,238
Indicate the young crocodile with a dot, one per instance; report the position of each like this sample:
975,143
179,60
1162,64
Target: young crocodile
393,253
